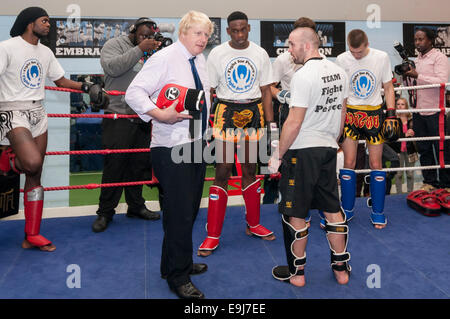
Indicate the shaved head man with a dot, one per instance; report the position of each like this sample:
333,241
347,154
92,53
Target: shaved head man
303,43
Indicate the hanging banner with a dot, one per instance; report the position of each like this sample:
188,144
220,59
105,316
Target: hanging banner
442,42
215,38
86,37
275,34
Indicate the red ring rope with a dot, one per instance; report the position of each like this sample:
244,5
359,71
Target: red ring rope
53,88
441,125
151,182
154,181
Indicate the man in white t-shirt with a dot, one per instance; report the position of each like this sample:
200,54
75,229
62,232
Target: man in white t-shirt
284,68
369,71
24,65
307,155
240,74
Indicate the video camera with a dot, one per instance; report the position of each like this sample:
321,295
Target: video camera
165,42
402,68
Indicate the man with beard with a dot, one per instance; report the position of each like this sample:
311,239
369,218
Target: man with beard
307,155
121,59
24,65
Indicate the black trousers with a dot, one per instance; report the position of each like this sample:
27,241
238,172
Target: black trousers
127,167
428,125
182,185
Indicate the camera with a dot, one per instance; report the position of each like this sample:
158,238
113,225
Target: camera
165,42
402,68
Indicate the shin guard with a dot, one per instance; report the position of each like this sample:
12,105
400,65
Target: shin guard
348,191
252,199
8,161
377,194
340,228
33,206
291,235
217,206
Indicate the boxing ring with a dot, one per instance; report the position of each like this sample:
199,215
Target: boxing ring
408,259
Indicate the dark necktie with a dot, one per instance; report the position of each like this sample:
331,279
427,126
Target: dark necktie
199,86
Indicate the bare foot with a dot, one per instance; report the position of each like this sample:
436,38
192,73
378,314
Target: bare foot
342,277
27,245
269,238
377,226
204,253
298,281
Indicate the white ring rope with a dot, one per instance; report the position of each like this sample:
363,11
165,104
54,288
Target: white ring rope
399,169
411,139
419,87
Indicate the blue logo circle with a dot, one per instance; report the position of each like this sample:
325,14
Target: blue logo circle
240,74
363,83
31,74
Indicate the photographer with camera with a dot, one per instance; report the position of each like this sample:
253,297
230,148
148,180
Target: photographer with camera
121,59
432,67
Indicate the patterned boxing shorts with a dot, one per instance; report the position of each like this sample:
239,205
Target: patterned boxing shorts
235,121
35,120
364,122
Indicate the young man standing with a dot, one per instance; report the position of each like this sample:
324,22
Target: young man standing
25,63
369,70
240,73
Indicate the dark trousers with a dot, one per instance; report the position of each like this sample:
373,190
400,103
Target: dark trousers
390,155
182,185
127,167
428,125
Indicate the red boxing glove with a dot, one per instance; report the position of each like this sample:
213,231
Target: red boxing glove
188,99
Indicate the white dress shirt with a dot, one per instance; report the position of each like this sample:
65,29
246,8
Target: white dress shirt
167,66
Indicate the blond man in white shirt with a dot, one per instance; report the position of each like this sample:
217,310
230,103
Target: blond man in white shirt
181,181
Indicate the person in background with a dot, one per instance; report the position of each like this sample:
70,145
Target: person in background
432,67
406,150
121,59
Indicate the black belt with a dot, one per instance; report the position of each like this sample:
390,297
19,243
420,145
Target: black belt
255,102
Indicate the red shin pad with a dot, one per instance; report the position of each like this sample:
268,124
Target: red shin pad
217,206
33,205
252,199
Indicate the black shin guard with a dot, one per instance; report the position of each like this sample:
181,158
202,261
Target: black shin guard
291,235
339,228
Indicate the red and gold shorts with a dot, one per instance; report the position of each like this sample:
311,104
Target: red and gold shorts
235,121
364,122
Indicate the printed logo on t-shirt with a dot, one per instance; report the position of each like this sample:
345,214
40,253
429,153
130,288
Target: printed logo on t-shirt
363,83
31,74
240,74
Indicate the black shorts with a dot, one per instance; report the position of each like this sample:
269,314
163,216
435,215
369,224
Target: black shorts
309,181
234,121
364,122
